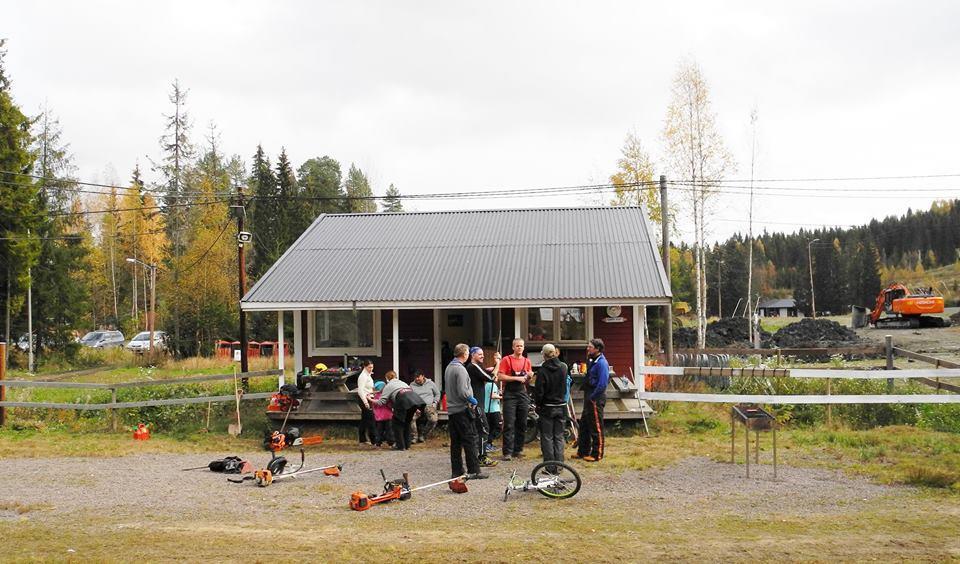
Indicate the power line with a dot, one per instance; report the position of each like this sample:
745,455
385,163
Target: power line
210,248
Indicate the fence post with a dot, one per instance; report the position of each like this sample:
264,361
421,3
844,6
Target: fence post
829,406
3,374
888,343
113,412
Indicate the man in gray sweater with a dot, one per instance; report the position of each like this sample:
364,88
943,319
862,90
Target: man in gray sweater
426,389
461,415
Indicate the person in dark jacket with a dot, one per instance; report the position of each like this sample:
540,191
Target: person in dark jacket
460,411
549,396
590,446
478,381
406,403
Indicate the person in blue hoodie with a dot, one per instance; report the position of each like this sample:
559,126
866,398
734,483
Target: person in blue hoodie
590,444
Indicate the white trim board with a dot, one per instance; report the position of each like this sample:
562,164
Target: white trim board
806,372
799,399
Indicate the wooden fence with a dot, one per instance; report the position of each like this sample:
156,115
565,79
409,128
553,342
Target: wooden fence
114,404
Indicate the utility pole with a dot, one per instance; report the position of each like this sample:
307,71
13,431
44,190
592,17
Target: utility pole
719,287
242,237
29,316
813,299
665,226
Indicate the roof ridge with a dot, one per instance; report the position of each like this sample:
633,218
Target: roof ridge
507,210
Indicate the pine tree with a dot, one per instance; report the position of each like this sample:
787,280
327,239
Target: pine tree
392,203
264,217
358,190
18,200
321,185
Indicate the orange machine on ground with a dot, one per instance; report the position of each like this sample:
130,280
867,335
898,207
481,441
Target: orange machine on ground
900,308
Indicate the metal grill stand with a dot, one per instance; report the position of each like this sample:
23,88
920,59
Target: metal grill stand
756,419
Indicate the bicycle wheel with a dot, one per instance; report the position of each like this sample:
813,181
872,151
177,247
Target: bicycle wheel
533,431
566,480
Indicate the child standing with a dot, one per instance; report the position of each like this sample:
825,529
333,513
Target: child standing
491,408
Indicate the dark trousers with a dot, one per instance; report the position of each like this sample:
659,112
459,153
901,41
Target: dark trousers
463,442
483,432
402,434
552,423
493,423
591,429
368,426
516,408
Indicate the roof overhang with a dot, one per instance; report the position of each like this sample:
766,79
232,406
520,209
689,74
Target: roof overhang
445,304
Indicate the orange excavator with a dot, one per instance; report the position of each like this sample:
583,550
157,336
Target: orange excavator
906,309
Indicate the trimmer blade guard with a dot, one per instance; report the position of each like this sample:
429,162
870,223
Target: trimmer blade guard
333,471
458,486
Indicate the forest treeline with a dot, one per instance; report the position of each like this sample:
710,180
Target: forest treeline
849,265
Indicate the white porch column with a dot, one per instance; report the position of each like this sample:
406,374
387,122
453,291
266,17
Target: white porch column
297,338
437,369
396,341
517,327
639,354
281,361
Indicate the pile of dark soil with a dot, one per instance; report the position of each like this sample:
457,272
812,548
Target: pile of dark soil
955,318
815,333
729,332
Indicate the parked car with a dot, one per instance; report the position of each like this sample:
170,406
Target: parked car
23,343
102,339
141,341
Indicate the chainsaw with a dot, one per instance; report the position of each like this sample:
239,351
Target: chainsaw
400,489
279,440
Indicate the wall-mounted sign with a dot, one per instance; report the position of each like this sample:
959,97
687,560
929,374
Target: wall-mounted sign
613,315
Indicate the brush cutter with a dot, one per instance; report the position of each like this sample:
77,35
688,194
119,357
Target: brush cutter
400,489
265,477
276,466
552,479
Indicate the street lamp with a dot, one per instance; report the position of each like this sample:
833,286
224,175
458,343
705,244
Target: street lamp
813,298
153,298
719,286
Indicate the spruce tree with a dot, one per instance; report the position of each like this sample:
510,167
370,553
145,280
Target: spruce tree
358,190
392,202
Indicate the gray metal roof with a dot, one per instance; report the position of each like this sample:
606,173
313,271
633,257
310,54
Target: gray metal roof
467,258
778,303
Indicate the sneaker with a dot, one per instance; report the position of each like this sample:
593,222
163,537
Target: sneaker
590,459
489,447
478,476
576,456
488,462
421,439
506,458
519,455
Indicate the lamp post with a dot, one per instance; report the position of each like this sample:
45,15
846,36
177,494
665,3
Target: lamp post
153,298
813,298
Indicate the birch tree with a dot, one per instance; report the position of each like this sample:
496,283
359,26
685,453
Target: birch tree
696,154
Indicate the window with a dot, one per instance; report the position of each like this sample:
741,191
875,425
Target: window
336,332
561,324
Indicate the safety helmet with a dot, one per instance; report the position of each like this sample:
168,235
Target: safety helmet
320,367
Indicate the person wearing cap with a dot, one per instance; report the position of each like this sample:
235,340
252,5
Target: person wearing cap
549,396
479,377
382,414
590,442
428,391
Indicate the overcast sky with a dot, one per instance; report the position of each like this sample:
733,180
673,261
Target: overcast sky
455,96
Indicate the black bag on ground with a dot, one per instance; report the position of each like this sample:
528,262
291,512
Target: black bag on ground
228,465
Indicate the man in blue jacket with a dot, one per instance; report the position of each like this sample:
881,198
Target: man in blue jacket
590,444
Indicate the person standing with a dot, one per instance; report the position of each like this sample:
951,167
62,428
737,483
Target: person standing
367,431
405,403
460,412
514,371
478,381
590,447
549,396
491,407
430,394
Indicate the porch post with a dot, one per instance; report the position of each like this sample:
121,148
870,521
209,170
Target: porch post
437,369
281,361
517,327
396,341
297,338
639,356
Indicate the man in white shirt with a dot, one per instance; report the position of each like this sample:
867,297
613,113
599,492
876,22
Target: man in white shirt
368,429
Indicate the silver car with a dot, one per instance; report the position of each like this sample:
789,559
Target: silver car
102,339
140,343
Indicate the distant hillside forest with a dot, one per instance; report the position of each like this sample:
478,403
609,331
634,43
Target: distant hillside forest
849,265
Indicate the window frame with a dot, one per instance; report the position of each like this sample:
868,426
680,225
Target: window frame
588,321
313,350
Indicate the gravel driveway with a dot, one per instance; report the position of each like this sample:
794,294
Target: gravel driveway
154,486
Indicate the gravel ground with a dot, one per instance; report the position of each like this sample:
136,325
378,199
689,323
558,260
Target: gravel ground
154,487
